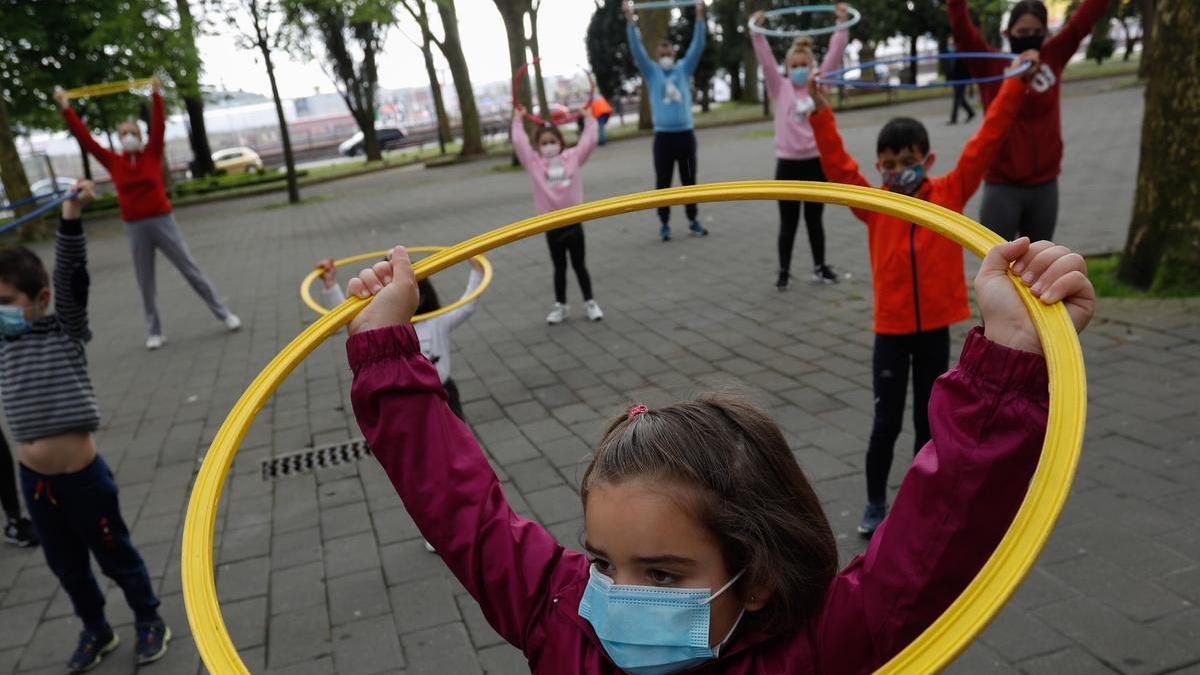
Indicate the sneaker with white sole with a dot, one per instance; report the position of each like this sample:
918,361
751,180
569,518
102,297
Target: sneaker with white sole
233,323
155,342
19,532
558,314
824,274
93,646
429,547
593,310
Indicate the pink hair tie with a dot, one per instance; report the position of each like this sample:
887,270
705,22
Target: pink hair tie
637,410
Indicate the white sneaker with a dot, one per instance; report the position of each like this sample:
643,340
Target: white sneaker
233,323
429,547
155,342
558,314
593,310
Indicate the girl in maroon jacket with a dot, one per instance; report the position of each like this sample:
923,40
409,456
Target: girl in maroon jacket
137,174
706,545
1020,192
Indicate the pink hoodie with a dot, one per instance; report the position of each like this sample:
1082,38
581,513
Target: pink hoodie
793,135
987,417
556,182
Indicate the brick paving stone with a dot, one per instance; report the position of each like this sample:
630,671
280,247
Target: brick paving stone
1113,589
368,646
357,596
423,604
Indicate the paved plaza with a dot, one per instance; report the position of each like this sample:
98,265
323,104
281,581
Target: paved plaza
325,572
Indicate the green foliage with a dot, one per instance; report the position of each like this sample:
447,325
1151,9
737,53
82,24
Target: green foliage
607,49
44,44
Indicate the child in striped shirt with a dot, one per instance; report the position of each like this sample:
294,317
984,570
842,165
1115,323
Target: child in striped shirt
51,408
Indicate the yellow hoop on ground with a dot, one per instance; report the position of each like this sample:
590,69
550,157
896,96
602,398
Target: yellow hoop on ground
930,651
484,263
107,88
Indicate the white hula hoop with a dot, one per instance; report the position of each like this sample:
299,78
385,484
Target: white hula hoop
663,4
855,17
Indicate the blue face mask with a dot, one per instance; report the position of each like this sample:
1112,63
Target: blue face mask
12,321
907,181
799,76
651,631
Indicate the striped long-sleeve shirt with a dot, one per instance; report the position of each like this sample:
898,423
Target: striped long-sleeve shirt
44,381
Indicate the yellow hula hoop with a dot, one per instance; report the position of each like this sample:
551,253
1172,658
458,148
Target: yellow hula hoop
107,88
484,263
930,651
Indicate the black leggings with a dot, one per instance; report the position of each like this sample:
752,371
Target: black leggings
671,148
789,212
452,398
9,500
563,241
929,354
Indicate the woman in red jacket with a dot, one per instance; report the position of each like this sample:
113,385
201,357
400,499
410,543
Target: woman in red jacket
137,174
1020,192
706,546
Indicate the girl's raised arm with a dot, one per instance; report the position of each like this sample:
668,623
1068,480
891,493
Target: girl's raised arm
509,564
988,418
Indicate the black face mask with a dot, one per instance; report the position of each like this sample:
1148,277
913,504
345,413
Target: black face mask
1024,43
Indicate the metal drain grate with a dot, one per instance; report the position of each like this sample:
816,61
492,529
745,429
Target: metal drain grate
313,459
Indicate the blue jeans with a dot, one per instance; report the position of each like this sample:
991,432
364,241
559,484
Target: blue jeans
76,513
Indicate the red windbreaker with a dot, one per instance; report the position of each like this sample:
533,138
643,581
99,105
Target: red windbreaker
987,418
917,275
137,176
1033,153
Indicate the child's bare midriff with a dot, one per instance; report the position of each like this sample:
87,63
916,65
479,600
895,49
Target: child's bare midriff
53,455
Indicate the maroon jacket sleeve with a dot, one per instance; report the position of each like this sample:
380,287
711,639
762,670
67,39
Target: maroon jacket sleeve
988,420
1063,44
506,562
80,131
158,125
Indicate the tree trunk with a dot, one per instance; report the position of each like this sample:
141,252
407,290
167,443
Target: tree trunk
472,131
535,51
12,173
749,60
193,102
1147,11
910,73
85,159
514,29
1163,247
435,89
370,80
653,27
289,159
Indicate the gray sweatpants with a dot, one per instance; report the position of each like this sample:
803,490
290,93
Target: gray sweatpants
1013,211
161,233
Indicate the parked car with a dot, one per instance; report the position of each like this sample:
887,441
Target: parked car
237,160
40,187
388,137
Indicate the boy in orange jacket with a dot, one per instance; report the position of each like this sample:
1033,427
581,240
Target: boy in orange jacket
917,275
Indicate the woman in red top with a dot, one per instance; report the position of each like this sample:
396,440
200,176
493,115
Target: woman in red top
1020,192
137,174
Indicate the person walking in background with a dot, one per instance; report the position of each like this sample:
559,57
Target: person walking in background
957,71
137,174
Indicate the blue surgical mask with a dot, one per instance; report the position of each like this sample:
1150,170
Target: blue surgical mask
799,76
12,321
906,181
647,630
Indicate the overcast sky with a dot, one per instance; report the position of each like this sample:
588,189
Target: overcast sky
561,27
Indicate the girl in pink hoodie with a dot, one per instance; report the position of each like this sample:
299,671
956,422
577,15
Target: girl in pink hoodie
553,170
706,546
795,150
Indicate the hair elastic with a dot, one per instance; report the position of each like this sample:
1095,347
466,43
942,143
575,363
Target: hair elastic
636,410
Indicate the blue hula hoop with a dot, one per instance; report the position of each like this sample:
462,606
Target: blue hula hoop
855,17
29,200
833,79
664,4
11,225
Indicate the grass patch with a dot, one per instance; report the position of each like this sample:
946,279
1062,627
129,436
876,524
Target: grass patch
758,133
1102,270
